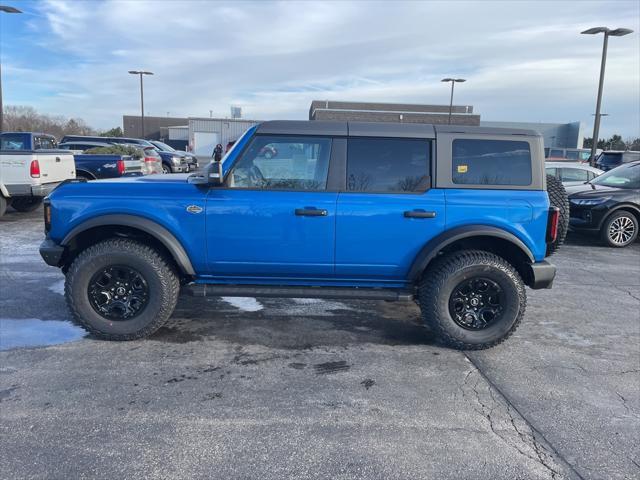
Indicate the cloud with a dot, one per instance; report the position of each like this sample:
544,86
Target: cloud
524,61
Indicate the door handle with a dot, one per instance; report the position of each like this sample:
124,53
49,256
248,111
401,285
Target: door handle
311,212
419,214
57,159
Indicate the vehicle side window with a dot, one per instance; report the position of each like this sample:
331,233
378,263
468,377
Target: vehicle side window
44,143
572,155
556,153
491,162
386,165
551,171
574,175
592,175
274,162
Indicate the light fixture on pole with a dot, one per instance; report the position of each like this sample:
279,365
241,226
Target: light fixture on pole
141,73
453,82
618,32
5,9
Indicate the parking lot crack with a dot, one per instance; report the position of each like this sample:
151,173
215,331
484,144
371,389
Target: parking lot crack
511,427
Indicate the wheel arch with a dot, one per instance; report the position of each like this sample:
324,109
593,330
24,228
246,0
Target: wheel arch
630,207
129,225
482,237
85,174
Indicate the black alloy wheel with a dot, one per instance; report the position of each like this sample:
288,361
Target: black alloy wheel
118,293
476,303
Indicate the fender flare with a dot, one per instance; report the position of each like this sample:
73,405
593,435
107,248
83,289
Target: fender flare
157,231
433,246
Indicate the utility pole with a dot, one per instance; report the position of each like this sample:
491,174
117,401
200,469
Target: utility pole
5,9
141,73
618,32
453,82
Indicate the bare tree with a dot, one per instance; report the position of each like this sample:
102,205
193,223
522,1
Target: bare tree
20,118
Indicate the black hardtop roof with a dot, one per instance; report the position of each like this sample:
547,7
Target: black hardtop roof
379,129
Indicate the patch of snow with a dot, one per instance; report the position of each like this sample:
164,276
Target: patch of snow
246,304
58,287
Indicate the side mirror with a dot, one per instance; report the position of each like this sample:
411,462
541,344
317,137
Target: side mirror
215,176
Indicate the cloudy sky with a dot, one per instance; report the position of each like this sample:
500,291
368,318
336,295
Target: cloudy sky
523,61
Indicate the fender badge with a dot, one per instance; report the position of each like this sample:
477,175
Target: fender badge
194,209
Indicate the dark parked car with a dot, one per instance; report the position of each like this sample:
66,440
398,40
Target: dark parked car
612,158
191,160
608,205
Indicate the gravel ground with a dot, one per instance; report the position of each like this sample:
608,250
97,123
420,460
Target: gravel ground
268,388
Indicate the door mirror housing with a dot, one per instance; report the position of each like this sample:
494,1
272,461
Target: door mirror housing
213,176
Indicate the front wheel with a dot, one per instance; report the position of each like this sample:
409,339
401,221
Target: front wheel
472,299
26,204
120,289
620,229
166,168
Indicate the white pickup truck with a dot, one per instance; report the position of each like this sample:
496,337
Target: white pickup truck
30,168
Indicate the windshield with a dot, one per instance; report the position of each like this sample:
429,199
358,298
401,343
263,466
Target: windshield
164,147
625,176
610,158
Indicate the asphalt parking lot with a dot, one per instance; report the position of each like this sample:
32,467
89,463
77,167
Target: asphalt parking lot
271,389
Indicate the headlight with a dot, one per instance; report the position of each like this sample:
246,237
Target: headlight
590,201
175,160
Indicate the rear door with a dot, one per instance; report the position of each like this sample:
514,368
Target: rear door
55,165
276,216
387,211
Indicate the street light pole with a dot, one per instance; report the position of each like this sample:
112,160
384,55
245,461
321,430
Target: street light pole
141,73
5,9
453,82
618,32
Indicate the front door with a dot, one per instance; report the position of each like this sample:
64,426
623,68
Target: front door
275,217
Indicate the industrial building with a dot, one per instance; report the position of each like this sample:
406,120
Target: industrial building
199,134
392,112
154,127
562,135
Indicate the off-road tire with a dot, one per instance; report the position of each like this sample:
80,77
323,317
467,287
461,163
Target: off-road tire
3,205
158,272
558,198
26,204
620,214
445,274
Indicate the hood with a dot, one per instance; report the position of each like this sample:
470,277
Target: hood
589,190
155,179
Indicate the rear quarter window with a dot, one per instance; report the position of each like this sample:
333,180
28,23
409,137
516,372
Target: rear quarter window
491,162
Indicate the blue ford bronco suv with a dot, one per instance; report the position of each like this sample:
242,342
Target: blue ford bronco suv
458,219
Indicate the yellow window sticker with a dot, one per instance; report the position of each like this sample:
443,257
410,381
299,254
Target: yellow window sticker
462,168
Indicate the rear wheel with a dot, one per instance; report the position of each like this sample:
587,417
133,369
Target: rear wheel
558,198
620,229
26,204
120,289
472,299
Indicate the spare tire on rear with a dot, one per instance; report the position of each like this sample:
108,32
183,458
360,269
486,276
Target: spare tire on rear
558,198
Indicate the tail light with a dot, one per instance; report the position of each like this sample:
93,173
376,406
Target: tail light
121,167
552,224
34,169
47,215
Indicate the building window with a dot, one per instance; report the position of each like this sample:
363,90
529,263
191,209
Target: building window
385,165
491,162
